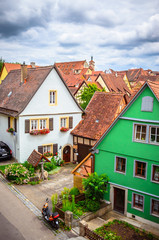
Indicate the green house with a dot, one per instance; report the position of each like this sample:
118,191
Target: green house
128,153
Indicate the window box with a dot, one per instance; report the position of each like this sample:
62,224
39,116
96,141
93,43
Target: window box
63,129
10,130
37,132
48,154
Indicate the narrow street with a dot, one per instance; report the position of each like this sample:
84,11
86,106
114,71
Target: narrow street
17,222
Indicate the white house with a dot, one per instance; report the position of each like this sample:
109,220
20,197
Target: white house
32,101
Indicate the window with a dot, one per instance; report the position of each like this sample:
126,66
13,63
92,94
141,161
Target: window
155,173
34,125
140,132
155,207
53,97
147,104
42,124
140,169
154,134
63,122
120,164
47,148
138,201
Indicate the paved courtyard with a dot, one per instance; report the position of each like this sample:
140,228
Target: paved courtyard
37,194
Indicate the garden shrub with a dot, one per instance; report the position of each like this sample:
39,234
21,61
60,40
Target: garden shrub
48,166
92,206
29,167
95,186
17,173
54,200
74,191
56,160
68,205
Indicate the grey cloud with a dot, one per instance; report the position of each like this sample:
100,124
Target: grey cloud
69,45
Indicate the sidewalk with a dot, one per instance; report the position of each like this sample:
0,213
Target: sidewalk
110,216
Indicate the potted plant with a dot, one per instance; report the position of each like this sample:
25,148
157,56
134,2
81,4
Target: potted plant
63,129
10,130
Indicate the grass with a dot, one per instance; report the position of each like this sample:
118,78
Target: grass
56,170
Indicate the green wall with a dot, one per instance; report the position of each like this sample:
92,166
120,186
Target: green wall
119,142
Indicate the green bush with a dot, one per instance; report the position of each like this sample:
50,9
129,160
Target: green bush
29,167
95,186
17,173
56,160
54,200
48,166
92,206
68,205
74,191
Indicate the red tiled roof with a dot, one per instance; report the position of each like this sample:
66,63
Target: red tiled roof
21,93
100,113
154,87
35,157
115,83
133,74
67,67
13,66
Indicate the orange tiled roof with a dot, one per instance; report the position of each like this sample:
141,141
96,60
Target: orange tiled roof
14,66
115,83
100,113
67,67
154,87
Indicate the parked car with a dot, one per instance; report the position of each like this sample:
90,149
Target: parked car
5,151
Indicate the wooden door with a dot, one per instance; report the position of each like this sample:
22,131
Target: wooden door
66,154
83,151
119,200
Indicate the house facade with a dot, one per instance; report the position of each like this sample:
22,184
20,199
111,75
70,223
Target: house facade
128,153
41,110
99,114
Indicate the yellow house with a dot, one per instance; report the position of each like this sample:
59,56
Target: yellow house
7,67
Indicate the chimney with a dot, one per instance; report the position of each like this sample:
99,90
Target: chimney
92,64
32,64
23,72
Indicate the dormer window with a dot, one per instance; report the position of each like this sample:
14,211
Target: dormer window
147,104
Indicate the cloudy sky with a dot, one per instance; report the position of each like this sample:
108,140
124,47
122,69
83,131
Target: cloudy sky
119,34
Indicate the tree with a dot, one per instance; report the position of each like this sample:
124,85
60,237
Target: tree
1,63
95,186
88,93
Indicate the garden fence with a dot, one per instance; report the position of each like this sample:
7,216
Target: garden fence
92,235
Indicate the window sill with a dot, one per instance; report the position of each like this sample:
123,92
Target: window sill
144,178
154,215
136,208
153,181
124,173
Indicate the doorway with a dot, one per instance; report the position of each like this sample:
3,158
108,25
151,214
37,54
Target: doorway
66,154
119,200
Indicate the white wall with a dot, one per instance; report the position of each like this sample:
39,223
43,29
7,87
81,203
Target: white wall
9,138
30,142
40,102
39,108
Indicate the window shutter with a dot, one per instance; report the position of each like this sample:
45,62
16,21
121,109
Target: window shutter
51,128
55,149
147,104
27,125
40,149
70,122
15,124
8,122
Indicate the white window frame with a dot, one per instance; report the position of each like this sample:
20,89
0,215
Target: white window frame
115,170
135,170
44,123
63,119
153,126
153,214
135,130
152,180
52,97
46,148
142,210
33,123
